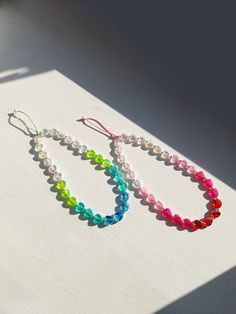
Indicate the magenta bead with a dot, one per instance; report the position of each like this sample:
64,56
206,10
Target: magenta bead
151,199
183,164
191,170
213,193
199,176
207,183
177,220
167,214
187,223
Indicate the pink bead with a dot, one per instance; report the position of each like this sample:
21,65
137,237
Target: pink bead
151,199
143,192
183,164
177,220
212,193
207,183
174,159
199,176
191,170
188,223
158,206
167,214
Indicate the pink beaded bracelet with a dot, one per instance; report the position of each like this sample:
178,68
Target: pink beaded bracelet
156,205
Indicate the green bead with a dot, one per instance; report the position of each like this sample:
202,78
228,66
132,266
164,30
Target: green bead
97,219
122,186
79,207
106,164
99,159
91,154
65,194
88,213
61,185
72,201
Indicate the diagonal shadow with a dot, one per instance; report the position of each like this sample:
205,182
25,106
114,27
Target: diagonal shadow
215,297
168,66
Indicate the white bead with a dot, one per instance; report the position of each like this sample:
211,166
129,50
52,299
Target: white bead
42,154
83,149
53,132
149,144
52,169
60,136
133,138
121,159
141,141
68,140
130,175
38,147
123,137
136,184
165,155
75,144
57,176
37,139
47,162
156,150
126,166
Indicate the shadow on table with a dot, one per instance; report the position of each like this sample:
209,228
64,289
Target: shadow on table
215,297
169,66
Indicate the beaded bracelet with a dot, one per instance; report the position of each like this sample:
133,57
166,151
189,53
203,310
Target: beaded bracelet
156,205
60,184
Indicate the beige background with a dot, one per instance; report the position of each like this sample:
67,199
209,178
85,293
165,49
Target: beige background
51,262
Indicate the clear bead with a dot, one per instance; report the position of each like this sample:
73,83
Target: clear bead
136,184
123,137
118,151
45,132
130,175
68,140
47,162
75,144
53,132
149,144
52,169
191,170
157,150
42,154
165,155
83,149
141,141
60,136
57,176
37,139
38,147
126,166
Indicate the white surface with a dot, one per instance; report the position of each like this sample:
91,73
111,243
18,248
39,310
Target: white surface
51,262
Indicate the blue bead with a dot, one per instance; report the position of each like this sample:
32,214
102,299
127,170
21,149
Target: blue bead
123,207
107,220
124,197
117,217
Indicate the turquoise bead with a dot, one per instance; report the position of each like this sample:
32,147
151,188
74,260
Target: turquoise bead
97,219
119,178
113,170
122,187
88,213
79,208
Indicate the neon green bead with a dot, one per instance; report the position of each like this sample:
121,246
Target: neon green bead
71,201
99,159
106,164
61,185
91,154
80,207
88,213
65,194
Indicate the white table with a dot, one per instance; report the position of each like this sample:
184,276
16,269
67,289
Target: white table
58,69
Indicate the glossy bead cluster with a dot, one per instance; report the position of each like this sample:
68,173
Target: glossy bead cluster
61,185
150,199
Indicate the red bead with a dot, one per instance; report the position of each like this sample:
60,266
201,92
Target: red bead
198,223
216,203
208,221
216,214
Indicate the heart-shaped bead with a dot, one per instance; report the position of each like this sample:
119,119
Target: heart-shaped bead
167,214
